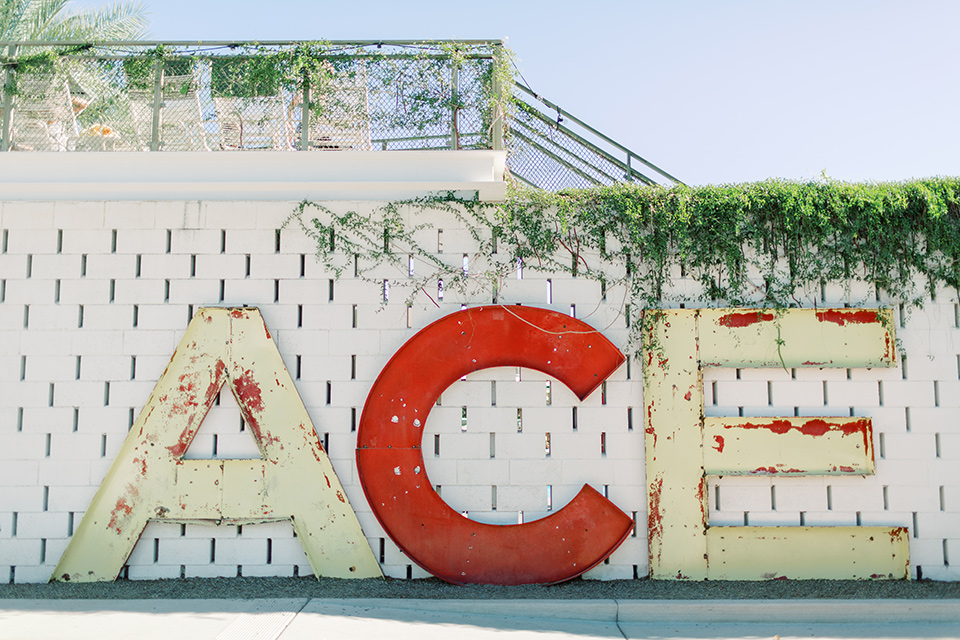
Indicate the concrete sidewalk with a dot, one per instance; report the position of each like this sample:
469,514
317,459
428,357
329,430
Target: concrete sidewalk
302,618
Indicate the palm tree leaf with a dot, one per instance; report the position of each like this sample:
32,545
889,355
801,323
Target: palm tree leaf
119,21
48,20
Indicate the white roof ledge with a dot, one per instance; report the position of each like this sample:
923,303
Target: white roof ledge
250,175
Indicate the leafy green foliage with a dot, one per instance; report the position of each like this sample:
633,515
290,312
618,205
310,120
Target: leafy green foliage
768,244
759,243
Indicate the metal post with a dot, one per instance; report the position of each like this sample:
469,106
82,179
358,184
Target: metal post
454,107
496,137
157,104
629,168
8,87
305,115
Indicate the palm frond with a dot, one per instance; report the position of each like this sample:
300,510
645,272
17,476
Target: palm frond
119,21
52,20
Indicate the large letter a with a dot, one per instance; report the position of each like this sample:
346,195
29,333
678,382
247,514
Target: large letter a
150,479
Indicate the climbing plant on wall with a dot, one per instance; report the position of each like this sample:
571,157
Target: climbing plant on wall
772,244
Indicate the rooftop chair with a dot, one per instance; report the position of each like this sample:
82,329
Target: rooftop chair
258,122
43,115
181,117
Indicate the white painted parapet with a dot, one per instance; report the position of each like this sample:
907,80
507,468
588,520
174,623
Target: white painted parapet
264,175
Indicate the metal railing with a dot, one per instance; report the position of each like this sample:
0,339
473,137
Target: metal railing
553,149
293,96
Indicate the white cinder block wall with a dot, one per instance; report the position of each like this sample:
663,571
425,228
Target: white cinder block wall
94,297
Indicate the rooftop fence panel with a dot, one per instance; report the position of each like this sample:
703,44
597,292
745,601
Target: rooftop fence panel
295,96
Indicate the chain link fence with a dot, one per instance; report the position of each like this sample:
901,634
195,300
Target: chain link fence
153,97
553,150
373,96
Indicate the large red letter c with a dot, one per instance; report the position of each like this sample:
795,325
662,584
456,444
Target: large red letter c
390,460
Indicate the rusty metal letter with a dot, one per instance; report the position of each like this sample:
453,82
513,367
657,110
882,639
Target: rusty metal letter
390,461
683,447
150,479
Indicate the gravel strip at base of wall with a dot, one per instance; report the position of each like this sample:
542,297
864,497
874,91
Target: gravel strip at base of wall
309,587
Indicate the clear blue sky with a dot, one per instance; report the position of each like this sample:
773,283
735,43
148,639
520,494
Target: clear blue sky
711,91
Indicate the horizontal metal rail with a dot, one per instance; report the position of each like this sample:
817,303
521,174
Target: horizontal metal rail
235,43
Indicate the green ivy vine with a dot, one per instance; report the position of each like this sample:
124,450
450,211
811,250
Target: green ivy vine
773,244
